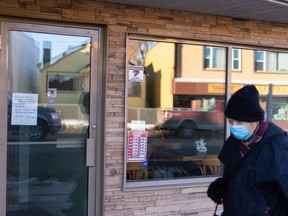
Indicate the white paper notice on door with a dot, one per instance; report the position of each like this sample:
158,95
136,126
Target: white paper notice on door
24,109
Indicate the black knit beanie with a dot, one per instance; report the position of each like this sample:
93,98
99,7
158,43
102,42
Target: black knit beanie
244,105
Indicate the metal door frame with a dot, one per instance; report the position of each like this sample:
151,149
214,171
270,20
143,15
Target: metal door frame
97,86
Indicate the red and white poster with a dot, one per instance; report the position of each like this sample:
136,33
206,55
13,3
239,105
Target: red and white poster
137,146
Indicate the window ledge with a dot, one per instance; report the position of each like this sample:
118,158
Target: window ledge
168,184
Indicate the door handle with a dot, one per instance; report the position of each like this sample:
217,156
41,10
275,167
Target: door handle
90,152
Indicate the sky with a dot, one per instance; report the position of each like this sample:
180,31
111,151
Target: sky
59,43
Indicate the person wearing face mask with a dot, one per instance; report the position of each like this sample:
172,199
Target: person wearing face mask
255,161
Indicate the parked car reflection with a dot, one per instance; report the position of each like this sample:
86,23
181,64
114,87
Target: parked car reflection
48,122
187,122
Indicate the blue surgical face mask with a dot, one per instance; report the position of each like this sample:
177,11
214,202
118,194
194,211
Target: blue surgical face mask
240,132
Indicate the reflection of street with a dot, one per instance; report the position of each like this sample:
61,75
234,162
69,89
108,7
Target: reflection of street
70,128
48,172
41,203
43,181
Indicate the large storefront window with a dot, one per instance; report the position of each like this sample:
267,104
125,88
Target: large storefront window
176,124
175,117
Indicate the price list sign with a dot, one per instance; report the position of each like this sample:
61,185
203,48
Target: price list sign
137,146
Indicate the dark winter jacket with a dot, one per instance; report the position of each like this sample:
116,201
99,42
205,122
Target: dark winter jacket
260,185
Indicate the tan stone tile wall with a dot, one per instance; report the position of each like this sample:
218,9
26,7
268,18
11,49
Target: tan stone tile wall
120,20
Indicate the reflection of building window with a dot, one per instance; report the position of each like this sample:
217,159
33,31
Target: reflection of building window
260,59
236,59
62,82
134,89
271,61
215,58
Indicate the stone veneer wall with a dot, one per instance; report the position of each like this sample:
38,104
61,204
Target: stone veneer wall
121,19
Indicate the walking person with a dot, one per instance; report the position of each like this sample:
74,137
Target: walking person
255,159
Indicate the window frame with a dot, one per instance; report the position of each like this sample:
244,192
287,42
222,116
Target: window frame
185,182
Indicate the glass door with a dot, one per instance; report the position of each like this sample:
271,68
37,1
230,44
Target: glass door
48,118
